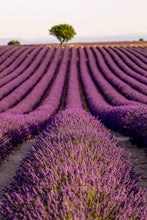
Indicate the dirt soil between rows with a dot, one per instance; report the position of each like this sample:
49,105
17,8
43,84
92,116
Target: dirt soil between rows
10,165
139,155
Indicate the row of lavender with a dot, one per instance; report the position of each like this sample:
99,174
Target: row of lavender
109,83
114,109
141,51
113,74
15,89
75,171
120,113
18,127
18,66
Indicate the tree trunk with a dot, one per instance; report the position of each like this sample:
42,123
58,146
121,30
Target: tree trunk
62,42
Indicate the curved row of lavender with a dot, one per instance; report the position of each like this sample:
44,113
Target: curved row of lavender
114,90
15,128
124,67
141,87
3,49
130,63
7,52
16,95
141,50
18,66
138,55
75,171
138,59
104,100
116,82
35,94
21,98
12,59
128,118
10,86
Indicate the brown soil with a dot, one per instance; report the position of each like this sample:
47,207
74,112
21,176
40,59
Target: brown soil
11,164
139,155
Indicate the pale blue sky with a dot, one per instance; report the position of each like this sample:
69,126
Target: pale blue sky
33,18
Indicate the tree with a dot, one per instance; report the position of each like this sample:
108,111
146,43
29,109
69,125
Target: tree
141,39
13,42
63,32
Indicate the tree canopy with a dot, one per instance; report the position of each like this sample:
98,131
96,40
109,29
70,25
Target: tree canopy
13,42
63,32
141,39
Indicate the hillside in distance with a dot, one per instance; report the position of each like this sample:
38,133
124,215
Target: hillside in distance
102,39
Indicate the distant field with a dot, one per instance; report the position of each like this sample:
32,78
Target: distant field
106,44
59,90
101,44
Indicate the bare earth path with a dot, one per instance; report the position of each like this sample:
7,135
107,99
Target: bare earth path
12,162
138,153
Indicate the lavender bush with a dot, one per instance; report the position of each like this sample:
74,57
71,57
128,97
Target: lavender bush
75,171
131,120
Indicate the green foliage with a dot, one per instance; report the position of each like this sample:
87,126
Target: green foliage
13,42
63,32
141,39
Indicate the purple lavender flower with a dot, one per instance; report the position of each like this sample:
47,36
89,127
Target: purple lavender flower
75,171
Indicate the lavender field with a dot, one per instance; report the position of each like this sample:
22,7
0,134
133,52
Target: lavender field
70,97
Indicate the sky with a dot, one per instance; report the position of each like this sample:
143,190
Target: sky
90,18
